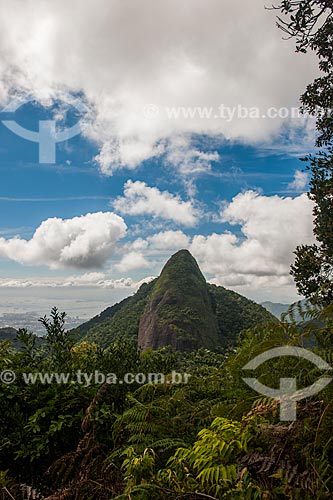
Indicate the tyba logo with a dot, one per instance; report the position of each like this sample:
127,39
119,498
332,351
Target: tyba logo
287,394
47,136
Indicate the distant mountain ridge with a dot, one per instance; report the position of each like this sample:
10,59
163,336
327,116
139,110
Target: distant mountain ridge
8,333
180,309
278,309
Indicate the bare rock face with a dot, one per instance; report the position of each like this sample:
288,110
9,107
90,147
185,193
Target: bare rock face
179,312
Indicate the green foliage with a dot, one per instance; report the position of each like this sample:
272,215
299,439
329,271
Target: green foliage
212,437
213,456
310,22
209,466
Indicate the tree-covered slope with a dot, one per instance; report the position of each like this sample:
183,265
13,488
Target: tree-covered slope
119,320
235,313
179,309
143,440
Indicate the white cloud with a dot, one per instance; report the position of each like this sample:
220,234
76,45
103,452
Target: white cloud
300,181
65,282
271,229
87,278
188,159
82,242
131,261
115,154
75,282
141,199
254,261
169,240
138,244
200,54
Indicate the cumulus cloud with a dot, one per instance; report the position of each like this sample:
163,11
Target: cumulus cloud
169,240
271,228
300,181
141,199
138,244
254,259
81,242
131,261
188,159
104,50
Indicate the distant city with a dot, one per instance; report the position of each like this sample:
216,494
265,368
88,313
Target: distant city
29,320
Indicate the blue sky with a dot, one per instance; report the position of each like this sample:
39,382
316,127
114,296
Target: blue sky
32,192
232,191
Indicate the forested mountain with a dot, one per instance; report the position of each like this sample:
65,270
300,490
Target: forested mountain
179,309
13,336
278,309
8,333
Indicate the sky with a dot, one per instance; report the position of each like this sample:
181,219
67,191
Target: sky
186,135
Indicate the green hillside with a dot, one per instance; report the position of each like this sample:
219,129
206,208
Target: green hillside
179,311
235,313
119,320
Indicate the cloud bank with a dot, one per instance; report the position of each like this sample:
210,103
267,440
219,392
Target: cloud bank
83,242
254,256
261,254
125,56
75,282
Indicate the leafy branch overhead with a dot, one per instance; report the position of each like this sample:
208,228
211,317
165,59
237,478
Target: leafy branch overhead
310,22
